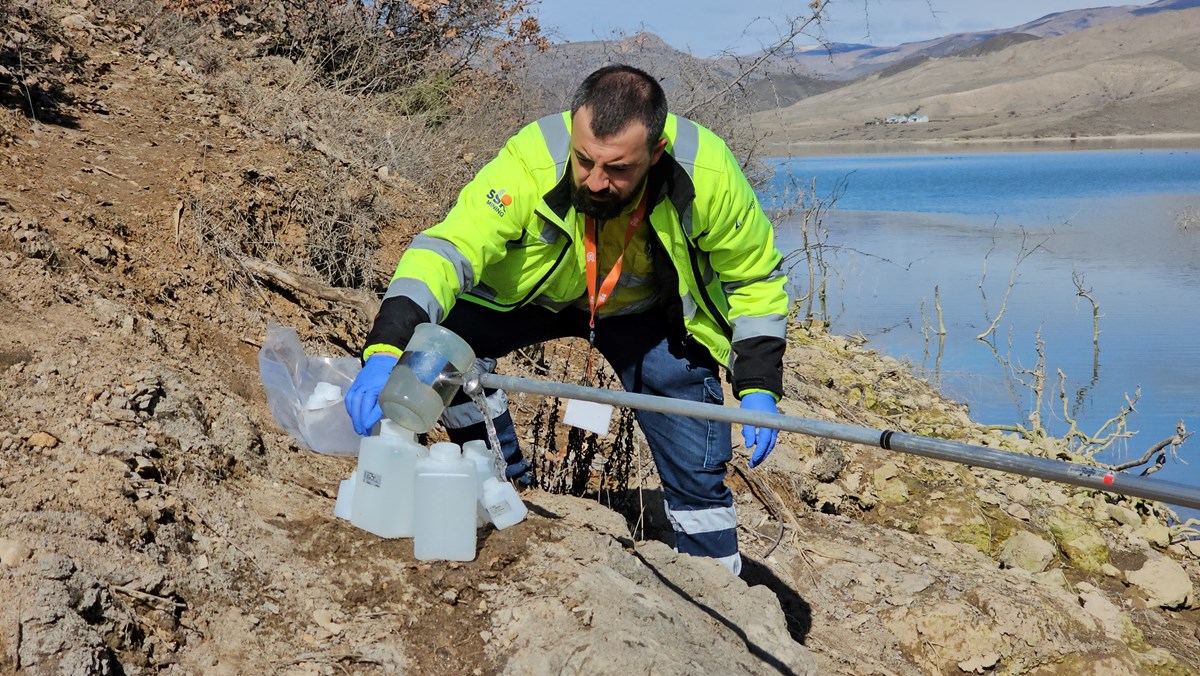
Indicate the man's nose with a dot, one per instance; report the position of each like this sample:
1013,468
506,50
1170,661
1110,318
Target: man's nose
597,181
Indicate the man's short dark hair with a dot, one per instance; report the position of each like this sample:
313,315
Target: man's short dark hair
618,95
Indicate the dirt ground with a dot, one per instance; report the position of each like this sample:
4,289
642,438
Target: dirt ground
155,519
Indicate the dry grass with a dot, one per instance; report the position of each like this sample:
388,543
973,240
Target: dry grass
390,142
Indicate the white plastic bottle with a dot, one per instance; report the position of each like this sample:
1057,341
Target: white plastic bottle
383,485
344,505
503,504
325,426
477,451
445,505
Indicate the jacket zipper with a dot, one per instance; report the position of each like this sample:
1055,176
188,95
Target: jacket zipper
538,286
708,301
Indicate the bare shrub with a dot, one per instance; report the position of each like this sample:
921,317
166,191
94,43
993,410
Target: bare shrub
432,154
570,460
417,94
374,46
328,225
182,29
228,221
1188,219
37,61
342,220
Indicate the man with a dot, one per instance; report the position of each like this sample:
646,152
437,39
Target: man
630,227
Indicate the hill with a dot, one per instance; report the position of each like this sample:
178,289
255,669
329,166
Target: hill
796,74
194,185
840,61
686,78
1137,76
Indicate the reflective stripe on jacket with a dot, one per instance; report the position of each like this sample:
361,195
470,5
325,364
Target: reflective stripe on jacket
513,238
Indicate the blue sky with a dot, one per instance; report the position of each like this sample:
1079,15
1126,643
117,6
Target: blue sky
706,27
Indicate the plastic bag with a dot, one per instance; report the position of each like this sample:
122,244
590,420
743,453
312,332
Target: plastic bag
306,393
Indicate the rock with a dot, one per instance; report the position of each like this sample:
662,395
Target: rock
56,567
887,470
1054,579
952,626
324,619
13,552
42,440
1026,551
1108,614
1110,570
1017,492
76,22
979,665
1056,496
1156,534
989,498
1164,582
1079,540
829,498
958,520
893,492
1017,511
1124,515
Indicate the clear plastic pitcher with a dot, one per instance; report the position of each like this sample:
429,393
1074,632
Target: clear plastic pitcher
418,390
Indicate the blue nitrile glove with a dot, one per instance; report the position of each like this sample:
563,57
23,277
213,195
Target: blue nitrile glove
761,439
362,399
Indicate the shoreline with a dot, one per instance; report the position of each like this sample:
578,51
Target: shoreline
866,146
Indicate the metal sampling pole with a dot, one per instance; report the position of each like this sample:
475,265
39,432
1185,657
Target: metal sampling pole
1043,468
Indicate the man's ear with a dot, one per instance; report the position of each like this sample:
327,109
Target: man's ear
657,151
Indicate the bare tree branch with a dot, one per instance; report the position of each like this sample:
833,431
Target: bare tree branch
795,27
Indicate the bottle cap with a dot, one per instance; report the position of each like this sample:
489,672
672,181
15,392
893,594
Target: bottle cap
393,430
445,451
324,395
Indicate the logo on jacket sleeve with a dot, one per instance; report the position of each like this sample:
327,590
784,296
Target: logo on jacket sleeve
498,200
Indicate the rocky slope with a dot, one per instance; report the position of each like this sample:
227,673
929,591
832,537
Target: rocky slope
154,519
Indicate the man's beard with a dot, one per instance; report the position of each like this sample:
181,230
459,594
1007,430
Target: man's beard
600,207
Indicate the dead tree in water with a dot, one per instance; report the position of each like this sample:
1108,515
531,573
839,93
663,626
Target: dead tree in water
1169,445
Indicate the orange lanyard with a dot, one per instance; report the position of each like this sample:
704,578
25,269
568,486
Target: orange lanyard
596,298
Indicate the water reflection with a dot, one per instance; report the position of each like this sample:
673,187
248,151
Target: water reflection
893,271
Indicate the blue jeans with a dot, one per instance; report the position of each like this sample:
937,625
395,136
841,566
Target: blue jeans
690,453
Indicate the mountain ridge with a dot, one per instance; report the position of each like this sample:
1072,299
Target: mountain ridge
1136,76
804,70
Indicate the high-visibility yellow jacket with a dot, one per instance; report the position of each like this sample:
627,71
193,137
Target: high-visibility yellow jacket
513,238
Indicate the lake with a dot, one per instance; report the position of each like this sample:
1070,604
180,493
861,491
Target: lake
1018,236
